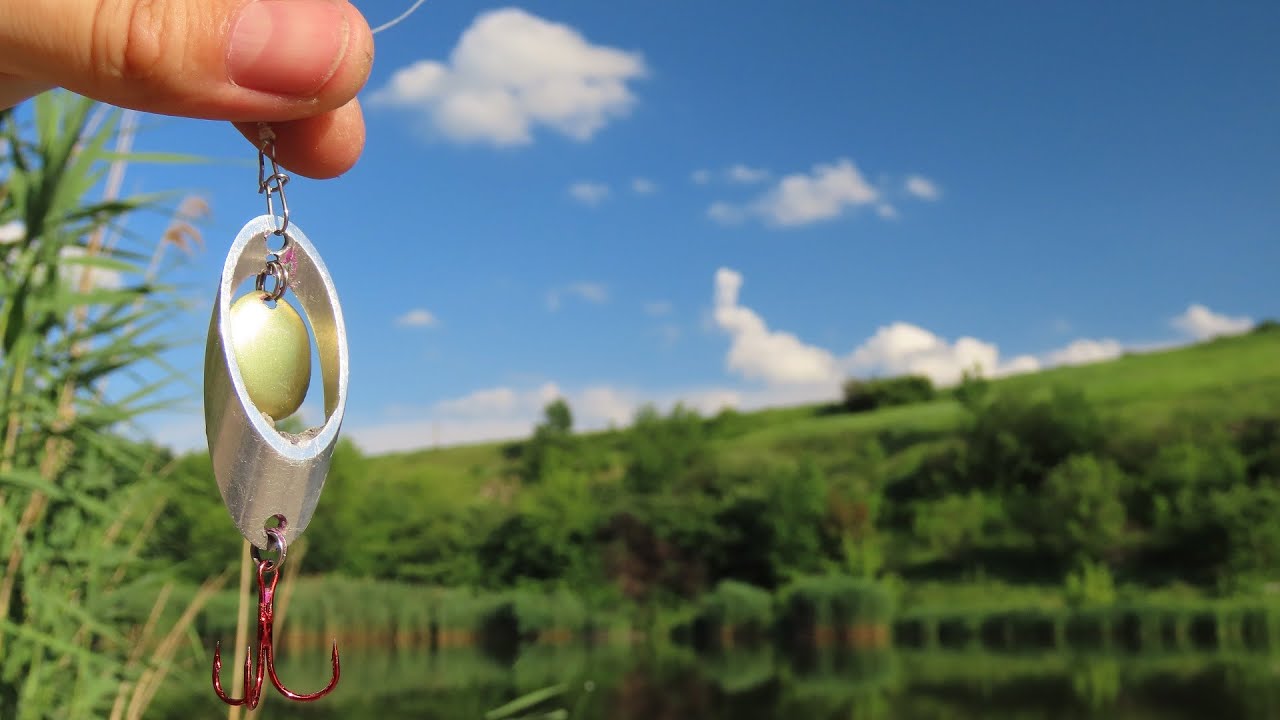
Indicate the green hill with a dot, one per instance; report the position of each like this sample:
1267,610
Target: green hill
1218,381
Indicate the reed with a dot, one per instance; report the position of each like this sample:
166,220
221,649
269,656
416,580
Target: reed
834,609
731,613
1152,624
80,306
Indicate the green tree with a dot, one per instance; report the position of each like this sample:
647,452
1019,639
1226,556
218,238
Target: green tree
551,445
341,514
1190,530
1180,477
954,524
973,391
798,505
201,539
1250,519
1014,441
558,418
1082,509
1259,441
866,395
661,450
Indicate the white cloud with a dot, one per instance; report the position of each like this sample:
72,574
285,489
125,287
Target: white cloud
726,214
512,72
903,348
497,402
737,174
1201,323
745,175
510,413
417,317
658,308
180,431
591,292
12,232
758,353
922,187
73,274
589,193
1084,351
1021,364
886,211
799,199
781,359
605,404
643,186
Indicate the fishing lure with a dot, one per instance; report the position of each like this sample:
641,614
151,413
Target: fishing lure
257,369
256,373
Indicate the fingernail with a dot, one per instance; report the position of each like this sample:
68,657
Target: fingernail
290,47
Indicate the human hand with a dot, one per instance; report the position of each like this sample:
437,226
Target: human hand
297,64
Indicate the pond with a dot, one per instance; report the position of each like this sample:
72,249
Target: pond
626,683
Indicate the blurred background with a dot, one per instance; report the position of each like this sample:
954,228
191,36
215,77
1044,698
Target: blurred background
743,360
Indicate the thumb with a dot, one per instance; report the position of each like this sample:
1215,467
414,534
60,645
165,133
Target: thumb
240,60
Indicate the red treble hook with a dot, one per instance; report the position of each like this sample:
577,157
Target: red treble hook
266,667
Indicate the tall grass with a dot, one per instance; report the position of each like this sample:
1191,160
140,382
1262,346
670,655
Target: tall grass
79,306
729,613
826,608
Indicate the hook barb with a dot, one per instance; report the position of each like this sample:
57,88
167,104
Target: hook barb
253,688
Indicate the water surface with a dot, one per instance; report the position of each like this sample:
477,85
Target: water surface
760,684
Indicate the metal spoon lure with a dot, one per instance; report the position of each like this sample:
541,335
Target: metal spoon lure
256,373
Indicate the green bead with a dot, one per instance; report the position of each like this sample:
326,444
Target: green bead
273,351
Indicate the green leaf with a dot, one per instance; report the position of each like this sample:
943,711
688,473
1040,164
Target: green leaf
525,702
54,642
30,480
100,262
13,320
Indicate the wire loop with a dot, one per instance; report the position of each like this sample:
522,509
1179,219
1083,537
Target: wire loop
279,271
275,537
272,184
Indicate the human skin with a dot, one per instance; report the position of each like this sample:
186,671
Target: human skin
296,64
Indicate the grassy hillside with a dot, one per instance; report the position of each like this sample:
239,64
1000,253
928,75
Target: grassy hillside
1219,381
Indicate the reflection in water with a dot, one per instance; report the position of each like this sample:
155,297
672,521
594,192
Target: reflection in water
626,683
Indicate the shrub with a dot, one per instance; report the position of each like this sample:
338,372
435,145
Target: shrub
1015,441
1082,509
866,395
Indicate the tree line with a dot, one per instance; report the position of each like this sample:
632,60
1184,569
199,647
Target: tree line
1028,488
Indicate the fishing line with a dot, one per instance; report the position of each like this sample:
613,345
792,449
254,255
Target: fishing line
412,9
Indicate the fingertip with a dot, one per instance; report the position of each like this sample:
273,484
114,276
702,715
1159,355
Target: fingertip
320,147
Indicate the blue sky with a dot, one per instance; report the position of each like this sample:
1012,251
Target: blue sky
744,202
